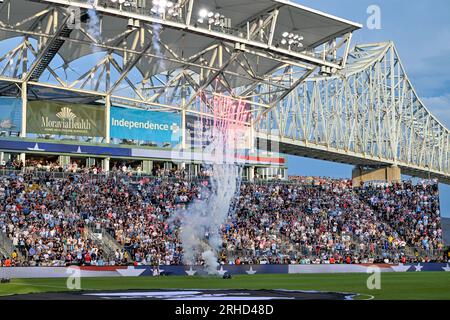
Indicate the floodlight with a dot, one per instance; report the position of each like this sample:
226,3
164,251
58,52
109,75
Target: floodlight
203,13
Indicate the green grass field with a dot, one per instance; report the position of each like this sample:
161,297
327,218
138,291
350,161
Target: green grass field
394,286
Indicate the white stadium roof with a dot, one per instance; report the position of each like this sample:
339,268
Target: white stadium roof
316,27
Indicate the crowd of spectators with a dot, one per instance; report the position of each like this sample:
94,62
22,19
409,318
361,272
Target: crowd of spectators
411,211
14,164
306,220
45,165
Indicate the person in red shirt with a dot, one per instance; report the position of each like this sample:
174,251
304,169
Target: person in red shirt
8,262
348,260
403,259
332,261
87,259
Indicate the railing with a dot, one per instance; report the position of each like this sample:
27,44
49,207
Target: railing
137,176
345,248
108,244
7,247
108,253
131,175
3,251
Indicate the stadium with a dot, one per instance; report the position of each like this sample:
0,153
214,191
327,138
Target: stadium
144,152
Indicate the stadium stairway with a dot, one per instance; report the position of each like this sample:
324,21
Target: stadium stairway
7,247
104,241
421,253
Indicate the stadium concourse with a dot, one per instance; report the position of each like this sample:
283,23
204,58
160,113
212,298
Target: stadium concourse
56,217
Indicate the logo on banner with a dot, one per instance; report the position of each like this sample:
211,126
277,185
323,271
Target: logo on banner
66,114
175,128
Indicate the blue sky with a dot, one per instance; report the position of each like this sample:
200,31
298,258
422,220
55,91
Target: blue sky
421,32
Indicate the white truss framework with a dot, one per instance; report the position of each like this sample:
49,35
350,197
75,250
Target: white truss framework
329,102
369,114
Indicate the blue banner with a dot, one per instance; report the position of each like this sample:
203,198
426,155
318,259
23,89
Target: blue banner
26,146
152,126
10,114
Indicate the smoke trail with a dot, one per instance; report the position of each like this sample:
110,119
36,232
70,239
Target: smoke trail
94,24
156,27
201,223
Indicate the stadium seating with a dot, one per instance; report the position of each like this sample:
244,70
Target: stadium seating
51,220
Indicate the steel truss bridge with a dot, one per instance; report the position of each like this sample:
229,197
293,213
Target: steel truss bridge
323,99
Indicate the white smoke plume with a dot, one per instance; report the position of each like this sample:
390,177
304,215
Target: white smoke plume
94,24
156,28
211,263
201,222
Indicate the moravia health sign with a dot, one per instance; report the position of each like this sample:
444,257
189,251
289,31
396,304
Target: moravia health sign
59,118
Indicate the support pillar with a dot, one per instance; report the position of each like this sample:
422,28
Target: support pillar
108,119
251,173
105,165
23,129
22,157
147,166
360,175
64,160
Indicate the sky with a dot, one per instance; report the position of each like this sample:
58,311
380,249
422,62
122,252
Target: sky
420,30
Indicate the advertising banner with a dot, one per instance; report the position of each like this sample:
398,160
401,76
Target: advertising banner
199,133
152,126
59,118
142,271
10,114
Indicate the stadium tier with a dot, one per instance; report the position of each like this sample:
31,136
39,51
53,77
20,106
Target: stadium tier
58,219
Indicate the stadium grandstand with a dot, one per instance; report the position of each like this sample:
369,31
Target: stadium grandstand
58,219
113,114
